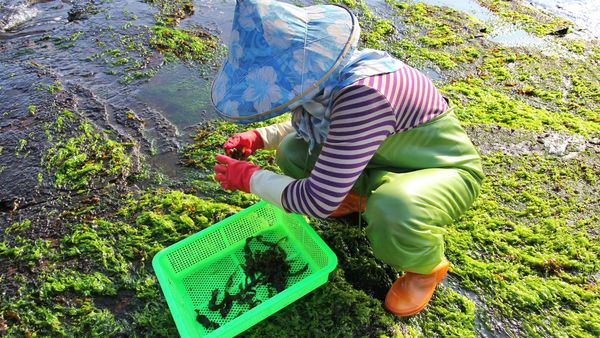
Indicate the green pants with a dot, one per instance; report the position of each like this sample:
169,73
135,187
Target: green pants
417,182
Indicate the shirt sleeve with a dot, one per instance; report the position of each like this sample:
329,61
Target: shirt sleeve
361,120
273,134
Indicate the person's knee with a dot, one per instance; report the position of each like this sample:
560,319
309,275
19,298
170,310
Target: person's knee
403,231
398,204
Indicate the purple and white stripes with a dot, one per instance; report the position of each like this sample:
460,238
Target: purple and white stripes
363,116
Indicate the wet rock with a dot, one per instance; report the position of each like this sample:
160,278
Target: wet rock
81,11
561,32
490,139
563,144
14,14
5,123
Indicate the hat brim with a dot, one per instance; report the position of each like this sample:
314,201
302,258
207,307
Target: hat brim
227,90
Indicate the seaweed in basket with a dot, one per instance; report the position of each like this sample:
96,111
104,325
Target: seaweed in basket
269,268
207,323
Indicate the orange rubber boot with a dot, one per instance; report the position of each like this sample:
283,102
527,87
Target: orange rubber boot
351,204
410,293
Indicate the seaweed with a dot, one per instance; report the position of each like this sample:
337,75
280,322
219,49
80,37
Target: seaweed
270,268
207,323
237,154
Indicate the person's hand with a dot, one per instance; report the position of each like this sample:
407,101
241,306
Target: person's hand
246,143
234,174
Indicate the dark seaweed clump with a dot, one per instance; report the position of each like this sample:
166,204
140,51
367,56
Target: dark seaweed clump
269,267
237,154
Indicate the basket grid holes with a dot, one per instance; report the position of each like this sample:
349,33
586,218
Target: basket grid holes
195,251
243,228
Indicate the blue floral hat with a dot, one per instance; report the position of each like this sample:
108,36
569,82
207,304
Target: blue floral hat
280,56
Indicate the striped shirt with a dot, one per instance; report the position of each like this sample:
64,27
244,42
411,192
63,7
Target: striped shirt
363,115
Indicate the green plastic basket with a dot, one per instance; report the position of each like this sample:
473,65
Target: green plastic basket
189,270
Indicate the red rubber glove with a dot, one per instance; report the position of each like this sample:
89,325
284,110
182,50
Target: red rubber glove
247,143
234,174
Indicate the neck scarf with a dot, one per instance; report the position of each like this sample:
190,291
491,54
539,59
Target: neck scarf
311,119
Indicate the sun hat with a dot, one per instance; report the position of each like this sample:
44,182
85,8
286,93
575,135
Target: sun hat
280,56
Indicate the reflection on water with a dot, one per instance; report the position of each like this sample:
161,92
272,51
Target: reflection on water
519,38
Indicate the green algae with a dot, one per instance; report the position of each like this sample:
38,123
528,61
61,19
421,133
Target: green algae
373,37
89,157
27,251
478,104
30,319
97,261
171,12
434,35
55,88
183,44
525,248
81,283
19,226
32,109
498,83
21,144
333,309
449,314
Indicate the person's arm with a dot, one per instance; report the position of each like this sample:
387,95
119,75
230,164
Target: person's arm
269,186
273,134
361,120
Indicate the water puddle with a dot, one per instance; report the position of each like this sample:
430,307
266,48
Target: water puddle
180,94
